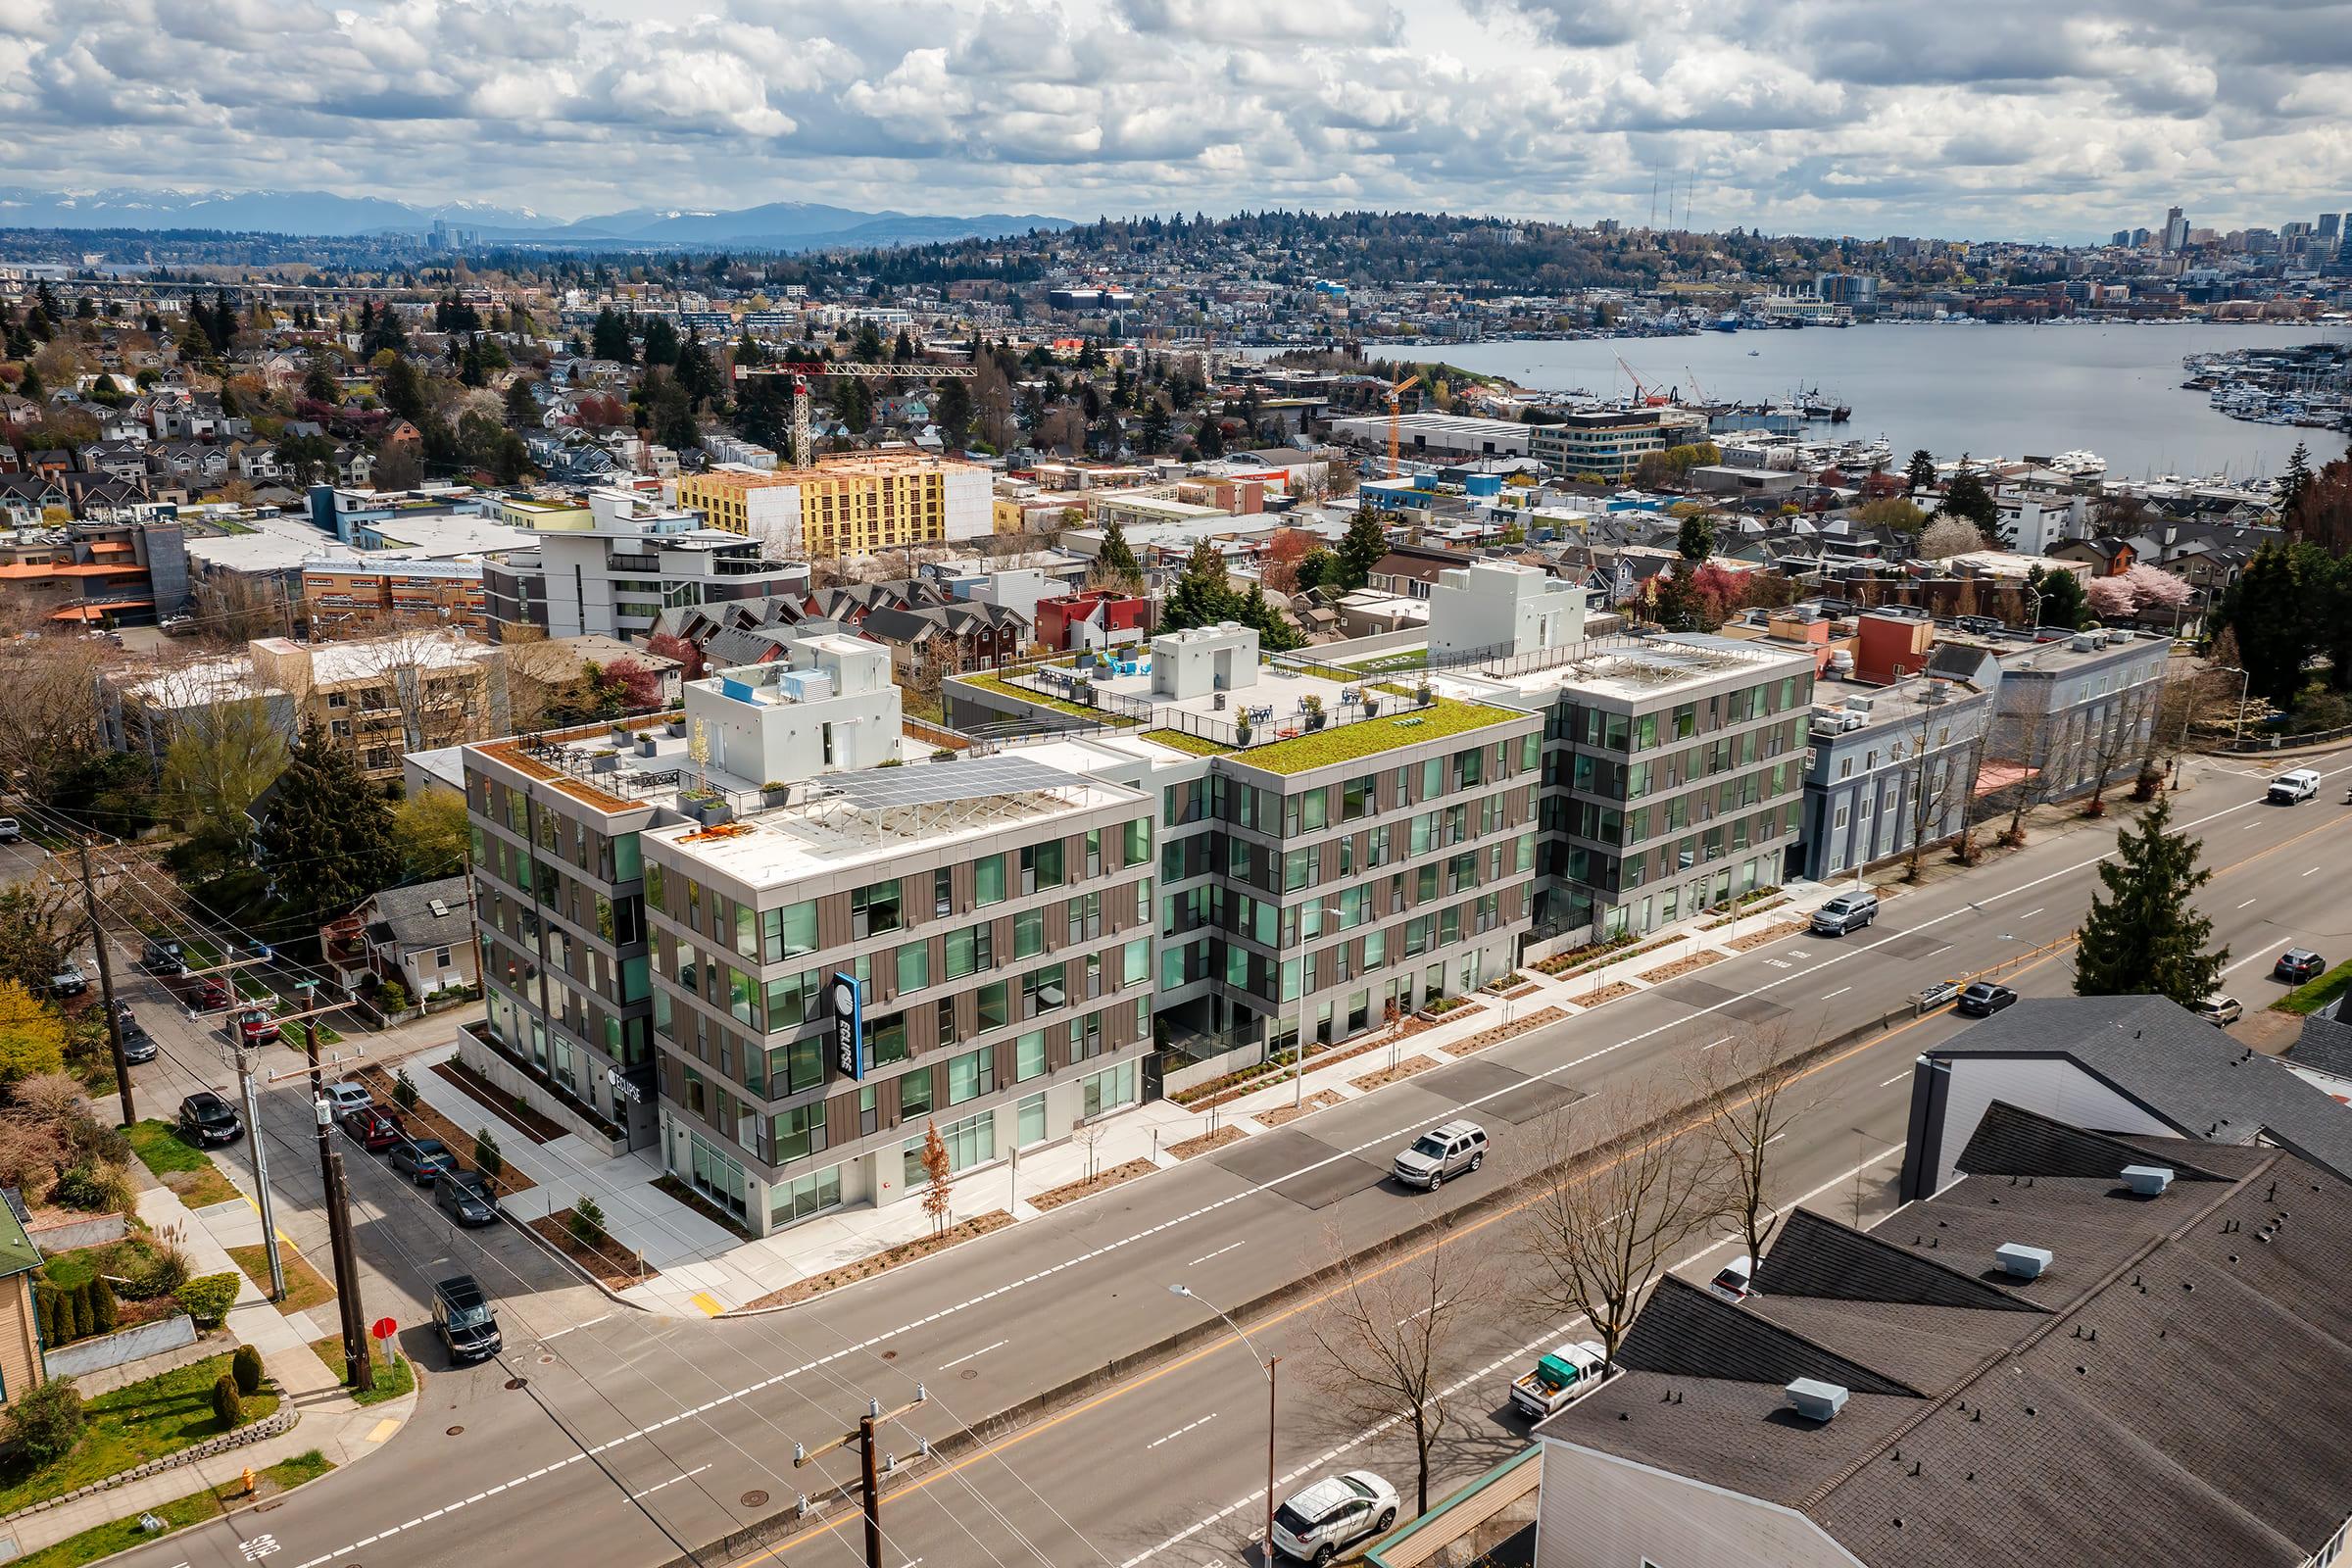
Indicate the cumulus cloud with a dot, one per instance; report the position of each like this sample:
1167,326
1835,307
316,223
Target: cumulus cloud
1994,116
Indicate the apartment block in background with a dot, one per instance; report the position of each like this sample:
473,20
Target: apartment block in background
855,504
349,595
633,559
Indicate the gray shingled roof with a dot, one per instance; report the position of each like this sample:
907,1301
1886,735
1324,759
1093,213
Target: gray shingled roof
406,914
2181,1397
2179,1068
2324,1046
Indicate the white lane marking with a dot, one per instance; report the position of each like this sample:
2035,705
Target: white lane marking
1774,1139
659,1485
2031,913
1424,1312
2251,957
559,1332
1550,1337
1180,1431
2311,872
1712,1044
1896,1079
973,1355
1219,1253
2249,904
1840,992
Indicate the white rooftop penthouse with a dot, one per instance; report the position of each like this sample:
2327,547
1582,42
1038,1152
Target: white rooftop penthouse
826,704
1499,607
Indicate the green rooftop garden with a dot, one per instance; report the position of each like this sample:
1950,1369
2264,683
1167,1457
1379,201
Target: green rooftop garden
1369,737
1177,739
1004,688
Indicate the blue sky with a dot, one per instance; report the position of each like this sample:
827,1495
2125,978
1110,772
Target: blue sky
2026,118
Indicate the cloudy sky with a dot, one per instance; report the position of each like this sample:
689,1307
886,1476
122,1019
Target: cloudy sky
2012,117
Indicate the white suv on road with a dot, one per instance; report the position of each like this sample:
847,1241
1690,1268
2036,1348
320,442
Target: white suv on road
1334,1513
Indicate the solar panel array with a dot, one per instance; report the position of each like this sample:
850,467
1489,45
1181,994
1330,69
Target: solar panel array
931,783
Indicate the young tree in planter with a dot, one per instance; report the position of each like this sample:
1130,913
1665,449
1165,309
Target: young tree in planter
938,1195
2143,937
1746,1089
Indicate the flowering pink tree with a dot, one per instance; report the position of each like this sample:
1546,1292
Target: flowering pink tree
2155,589
2111,598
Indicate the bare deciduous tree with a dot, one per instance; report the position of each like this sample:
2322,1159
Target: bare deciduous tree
1938,777
1386,1337
50,720
1626,1183
2117,736
1747,1088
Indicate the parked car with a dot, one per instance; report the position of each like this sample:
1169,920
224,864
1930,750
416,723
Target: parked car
465,1320
10,830
348,1096
1334,1513
164,959
374,1128
1848,912
423,1159
211,996
2221,1011
69,981
1443,1152
1735,1281
2295,784
1558,1377
257,1026
2296,965
464,1196
205,1119
138,1044
1984,998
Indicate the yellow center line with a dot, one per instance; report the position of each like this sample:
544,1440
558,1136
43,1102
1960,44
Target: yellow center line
1454,1234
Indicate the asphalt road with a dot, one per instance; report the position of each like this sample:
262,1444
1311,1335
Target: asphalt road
633,1437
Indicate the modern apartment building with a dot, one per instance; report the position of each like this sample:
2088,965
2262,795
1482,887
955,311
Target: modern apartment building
344,595
854,504
1608,442
1887,767
633,559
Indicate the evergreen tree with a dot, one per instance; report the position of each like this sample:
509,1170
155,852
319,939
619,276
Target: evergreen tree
1116,558
2143,937
1696,540
1156,426
1360,550
1969,500
522,409
1920,472
609,338
2061,601
1201,596
403,388
2296,481
326,841
661,342
2269,609
952,411
1275,633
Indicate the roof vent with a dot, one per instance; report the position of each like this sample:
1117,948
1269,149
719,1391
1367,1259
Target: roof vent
2148,1181
438,907
1815,1400
2021,1262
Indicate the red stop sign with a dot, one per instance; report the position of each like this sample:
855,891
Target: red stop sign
383,1328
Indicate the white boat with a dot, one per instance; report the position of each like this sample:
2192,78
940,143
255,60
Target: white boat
2079,463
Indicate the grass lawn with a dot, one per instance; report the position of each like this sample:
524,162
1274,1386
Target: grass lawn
179,1166
306,1287
1178,740
1389,663
129,1427
1369,737
2313,995
105,1540
394,1375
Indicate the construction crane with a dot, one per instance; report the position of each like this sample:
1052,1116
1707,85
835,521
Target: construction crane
1694,386
1396,396
802,371
1641,389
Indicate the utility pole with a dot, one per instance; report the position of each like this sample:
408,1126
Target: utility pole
254,1140
106,984
359,1362
869,1477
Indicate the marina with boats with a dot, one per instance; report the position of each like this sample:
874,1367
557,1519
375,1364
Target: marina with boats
2307,384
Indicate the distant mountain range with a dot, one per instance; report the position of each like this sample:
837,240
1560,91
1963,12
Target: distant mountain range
776,225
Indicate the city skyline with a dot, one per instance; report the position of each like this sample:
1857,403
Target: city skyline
2008,122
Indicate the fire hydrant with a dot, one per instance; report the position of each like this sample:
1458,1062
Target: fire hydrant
249,1481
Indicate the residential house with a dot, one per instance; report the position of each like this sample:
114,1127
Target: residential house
420,935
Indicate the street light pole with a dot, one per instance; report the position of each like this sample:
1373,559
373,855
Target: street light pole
1266,1366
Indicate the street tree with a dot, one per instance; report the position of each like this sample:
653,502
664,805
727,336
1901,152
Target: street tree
1747,1088
327,840
1385,1340
1625,1183
1920,472
38,918
2143,936
1361,547
1939,776
223,753
938,1195
2125,724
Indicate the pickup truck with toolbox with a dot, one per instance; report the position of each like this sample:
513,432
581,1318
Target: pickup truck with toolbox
1557,1378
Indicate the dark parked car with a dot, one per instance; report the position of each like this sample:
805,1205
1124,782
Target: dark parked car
1985,998
462,1317
374,1128
464,1196
2296,965
205,1118
423,1159
138,1044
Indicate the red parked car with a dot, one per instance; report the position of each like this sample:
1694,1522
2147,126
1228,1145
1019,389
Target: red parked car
374,1128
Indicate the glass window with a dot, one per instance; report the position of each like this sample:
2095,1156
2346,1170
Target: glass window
1029,933
988,879
803,1196
968,950
798,1132
1030,1121
995,1005
914,966
915,1094
1041,867
1138,841
790,932
874,910
1136,965
1106,1091
743,997
971,1076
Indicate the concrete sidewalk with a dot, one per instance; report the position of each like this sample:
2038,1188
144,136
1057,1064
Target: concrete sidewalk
697,1265
329,1420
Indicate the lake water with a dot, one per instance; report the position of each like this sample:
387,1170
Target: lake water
1992,391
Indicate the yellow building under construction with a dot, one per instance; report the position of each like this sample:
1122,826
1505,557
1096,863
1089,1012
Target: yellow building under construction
844,505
